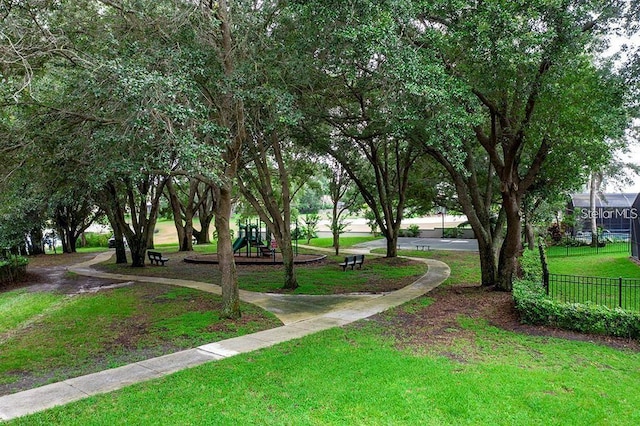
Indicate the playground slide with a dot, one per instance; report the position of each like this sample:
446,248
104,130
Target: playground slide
239,243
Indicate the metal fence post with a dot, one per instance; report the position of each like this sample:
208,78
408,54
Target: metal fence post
545,281
620,292
545,268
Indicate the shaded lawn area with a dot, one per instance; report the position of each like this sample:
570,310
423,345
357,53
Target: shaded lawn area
455,356
479,374
323,277
49,334
46,337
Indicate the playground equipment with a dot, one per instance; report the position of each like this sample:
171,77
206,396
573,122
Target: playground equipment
250,237
256,239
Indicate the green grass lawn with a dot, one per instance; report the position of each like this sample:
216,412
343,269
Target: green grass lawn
364,374
465,265
603,292
328,278
20,308
325,277
612,265
609,248
345,242
49,337
357,375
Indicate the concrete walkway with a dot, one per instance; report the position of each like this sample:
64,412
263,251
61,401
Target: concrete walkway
302,315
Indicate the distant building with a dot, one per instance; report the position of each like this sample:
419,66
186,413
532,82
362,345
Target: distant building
614,213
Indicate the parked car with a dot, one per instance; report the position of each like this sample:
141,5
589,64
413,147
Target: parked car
112,242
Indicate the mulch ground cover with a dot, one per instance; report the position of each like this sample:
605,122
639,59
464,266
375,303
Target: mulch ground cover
438,323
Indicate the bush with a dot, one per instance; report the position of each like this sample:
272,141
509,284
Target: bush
453,232
531,265
413,231
536,308
556,233
94,239
13,269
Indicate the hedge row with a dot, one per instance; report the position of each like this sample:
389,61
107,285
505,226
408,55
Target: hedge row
537,308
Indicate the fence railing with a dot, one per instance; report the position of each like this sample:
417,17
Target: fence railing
580,246
611,292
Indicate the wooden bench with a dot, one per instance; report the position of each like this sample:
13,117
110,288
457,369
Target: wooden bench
423,247
156,256
352,261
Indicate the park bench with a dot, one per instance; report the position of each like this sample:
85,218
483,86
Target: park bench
155,256
423,247
352,261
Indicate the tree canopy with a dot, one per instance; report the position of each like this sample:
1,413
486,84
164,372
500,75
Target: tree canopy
124,99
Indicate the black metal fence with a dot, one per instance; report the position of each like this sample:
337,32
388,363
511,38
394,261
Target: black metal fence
581,245
611,292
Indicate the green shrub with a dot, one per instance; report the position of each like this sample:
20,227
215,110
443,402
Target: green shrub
535,307
13,269
453,232
94,239
413,231
14,261
531,265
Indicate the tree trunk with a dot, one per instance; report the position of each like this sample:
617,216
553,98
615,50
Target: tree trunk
149,230
226,262
205,214
72,242
118,235
488,263
392,243
138,248
290,278
64,240
335,232
530,235
204,235
512,246
121,251
37,242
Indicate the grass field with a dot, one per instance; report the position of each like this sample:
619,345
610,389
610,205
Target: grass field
465,266
612,265
345,242
49,337
569,250
324,277
594,278
357,375
368,374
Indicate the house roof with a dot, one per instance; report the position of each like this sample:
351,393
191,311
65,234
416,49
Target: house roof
610,200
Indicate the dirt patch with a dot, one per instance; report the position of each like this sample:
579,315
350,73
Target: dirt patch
438,323
49,273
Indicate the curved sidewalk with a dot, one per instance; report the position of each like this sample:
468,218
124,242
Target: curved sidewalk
302,315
